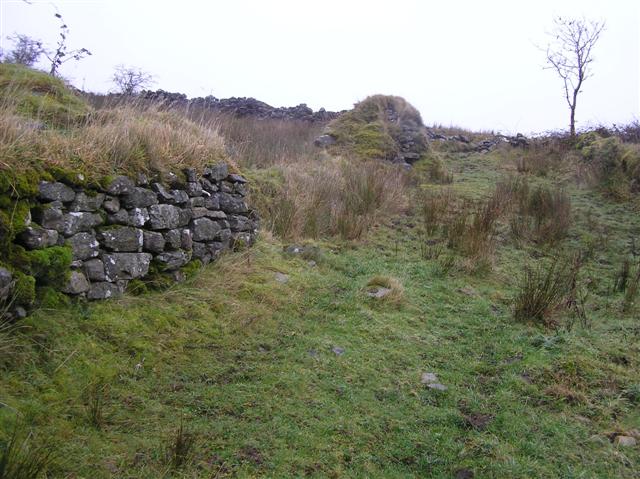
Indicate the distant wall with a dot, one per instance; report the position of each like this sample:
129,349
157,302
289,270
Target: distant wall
129,228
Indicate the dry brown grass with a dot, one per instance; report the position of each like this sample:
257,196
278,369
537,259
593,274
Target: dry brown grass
333,197
394,296
123,139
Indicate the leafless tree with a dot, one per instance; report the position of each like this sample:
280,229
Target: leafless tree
570,55
26,50
61,54
130,80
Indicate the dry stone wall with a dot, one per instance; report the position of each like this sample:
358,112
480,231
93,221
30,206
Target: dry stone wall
122,231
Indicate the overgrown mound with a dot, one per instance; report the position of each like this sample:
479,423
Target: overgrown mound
614,163
45,127
35,95
380,127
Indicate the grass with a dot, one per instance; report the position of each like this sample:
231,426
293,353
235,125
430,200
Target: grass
313,378
127,138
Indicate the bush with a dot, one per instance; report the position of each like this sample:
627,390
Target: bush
544,290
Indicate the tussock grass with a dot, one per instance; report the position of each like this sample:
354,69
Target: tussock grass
179,448
545,290
20,458
330,198
123,139
394,296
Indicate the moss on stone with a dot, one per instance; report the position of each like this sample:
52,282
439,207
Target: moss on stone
373,128
24,290
50,298
50,266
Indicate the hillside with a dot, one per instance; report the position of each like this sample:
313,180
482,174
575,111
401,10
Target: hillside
466,312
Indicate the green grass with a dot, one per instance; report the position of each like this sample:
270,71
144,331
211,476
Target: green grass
249,369
37,95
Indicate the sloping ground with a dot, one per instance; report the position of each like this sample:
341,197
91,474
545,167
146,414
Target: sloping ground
305,375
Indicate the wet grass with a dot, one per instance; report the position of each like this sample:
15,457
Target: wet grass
311,378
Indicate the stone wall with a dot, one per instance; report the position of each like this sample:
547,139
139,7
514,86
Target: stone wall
122,231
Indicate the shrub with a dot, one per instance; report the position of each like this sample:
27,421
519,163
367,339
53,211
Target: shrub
544,290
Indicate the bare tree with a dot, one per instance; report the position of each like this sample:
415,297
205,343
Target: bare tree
570,55
26,50
61,55
130,80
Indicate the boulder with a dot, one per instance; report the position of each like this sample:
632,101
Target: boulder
77,284
75,222
204,229
94,270
123,266
231,204
172,260
122,238
190,174
120,185
324,141
84,202
212,202
216,172
153,242
163,217
180,197
138,217
84,246
173,239
186,239
120,217
233,178
36,237
194,189
104,290
6,284
200,251
196,202
50,216
55,191
139,198
239,223
111,204
208,186
163,195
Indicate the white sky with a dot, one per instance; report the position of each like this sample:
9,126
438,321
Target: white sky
469,63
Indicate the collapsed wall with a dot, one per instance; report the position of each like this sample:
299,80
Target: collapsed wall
105,237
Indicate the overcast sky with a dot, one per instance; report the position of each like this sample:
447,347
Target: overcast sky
473,64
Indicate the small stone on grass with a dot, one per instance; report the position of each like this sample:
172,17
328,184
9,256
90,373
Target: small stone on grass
281,277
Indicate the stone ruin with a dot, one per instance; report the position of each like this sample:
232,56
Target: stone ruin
118,232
